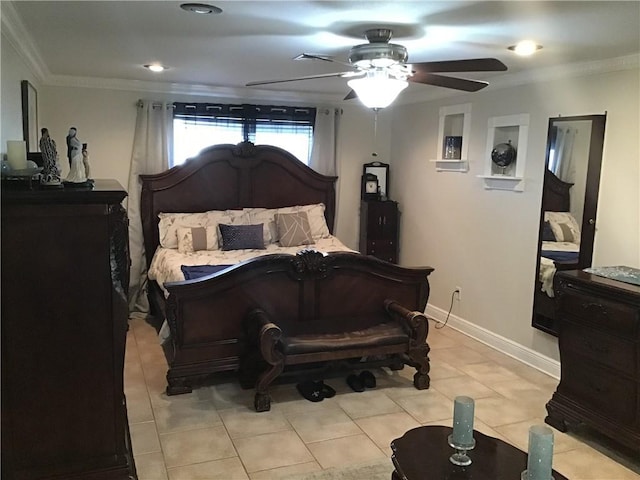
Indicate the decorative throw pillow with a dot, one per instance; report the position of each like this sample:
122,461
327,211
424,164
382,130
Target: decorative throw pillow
293,229
564,226
194,239
563,233
239,237
315,215
547,233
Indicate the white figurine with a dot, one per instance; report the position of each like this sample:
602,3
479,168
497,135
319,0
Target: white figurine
78,158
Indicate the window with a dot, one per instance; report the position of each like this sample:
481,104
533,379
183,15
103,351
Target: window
197,126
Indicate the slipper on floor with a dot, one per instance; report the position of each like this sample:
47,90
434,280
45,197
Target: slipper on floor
327,391
312,391
368,379
355,383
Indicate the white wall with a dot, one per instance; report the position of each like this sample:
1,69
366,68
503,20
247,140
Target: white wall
485,240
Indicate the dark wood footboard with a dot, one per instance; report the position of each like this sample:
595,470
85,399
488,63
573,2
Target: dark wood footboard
206,315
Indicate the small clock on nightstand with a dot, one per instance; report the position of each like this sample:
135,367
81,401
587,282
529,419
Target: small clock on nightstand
369,189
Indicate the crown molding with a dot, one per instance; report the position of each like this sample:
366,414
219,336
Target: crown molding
18,36
186,89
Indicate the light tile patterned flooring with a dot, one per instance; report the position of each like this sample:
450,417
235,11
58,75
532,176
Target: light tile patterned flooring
214,433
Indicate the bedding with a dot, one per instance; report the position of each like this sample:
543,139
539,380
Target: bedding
167,262
569,250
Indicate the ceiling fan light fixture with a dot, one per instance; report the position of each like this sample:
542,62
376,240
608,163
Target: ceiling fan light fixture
525,48
377,90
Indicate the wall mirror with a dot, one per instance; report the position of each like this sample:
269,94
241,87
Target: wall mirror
569,204
380,170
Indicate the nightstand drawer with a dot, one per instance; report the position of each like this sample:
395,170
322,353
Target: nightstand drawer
597,389
603,349
381,245
605,315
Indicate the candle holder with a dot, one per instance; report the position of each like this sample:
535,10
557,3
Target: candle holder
461,458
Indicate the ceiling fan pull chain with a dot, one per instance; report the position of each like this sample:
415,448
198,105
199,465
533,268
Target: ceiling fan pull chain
375,131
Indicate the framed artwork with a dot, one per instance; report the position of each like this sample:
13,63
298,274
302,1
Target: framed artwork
29,115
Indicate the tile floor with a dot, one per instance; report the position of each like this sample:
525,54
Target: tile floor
214,433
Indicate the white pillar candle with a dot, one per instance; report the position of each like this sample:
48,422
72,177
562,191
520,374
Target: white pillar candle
540,453
463,421
17,154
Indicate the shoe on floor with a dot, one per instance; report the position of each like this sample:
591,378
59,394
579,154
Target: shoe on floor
368,379
355,383
312,391
327,391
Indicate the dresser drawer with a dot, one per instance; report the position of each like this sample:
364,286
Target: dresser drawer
604,349
613,317
597,389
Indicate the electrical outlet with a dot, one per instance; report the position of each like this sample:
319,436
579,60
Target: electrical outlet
458,292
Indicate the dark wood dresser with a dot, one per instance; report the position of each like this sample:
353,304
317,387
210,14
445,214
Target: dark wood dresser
379,229
599,339
65,275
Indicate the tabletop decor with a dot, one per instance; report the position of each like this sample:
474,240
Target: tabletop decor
462,439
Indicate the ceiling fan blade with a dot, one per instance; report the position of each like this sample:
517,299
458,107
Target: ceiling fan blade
310,77
324,58
350,95
448,82
469,65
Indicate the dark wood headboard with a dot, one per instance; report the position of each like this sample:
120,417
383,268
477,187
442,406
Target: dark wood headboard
224,177
556,195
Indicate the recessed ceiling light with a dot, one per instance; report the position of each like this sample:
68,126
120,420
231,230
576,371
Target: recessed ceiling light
203,8
156,68
525,48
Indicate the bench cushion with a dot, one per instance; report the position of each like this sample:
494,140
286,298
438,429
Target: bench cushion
383,334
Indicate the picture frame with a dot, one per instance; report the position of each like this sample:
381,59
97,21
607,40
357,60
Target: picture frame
29,115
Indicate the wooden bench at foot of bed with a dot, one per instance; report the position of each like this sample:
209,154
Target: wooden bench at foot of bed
336,292
403,333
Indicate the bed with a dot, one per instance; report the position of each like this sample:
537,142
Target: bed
204,331
559,246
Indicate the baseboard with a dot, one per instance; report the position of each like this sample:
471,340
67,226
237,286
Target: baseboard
508,347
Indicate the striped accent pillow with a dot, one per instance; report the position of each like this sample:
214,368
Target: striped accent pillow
194,239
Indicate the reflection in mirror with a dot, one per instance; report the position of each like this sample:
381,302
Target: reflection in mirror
569,204
380,170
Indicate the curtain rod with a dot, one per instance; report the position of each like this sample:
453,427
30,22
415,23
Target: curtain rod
139,103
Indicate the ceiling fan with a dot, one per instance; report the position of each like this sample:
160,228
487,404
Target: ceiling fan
379,70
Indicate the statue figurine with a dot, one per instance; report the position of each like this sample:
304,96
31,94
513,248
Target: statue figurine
51,168
78,159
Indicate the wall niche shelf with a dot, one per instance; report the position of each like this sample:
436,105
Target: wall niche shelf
513,129
453,138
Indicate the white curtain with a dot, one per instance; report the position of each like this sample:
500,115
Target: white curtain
152,150
325,133
563,164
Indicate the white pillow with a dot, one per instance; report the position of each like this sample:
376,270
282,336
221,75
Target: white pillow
194,239
315,214
266,216
564,226
170,222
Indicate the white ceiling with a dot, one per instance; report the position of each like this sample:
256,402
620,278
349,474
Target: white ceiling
257,40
